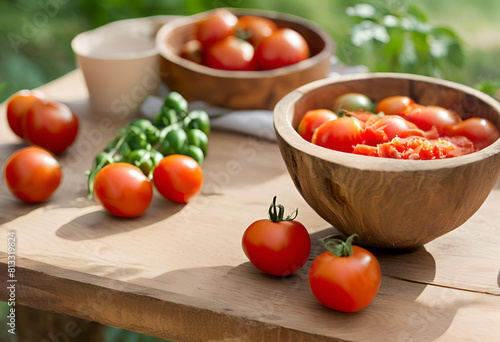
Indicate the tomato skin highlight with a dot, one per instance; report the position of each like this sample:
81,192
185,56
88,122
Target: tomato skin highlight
394,105
18,106
312,120
51,125
347,283
277,248
231,53
341,134
284,47
178,178
478,130
217,26
32,174
123,190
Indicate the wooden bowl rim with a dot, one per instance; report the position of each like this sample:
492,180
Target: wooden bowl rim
166,53
285,108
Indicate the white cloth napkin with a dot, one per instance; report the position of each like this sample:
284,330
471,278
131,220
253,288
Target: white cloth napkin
257,123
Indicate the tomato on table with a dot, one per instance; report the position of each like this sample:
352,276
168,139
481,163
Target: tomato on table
346,277
312,120
284,47
231,53
255,29
51,125
394,105
341,134
178,178
123,190
353,102
478,130
217,26
278,246
18,106
32,174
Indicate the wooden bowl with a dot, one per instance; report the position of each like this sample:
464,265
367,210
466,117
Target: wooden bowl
389,203
240,89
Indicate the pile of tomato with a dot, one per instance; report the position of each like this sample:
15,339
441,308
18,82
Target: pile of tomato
224,41
396,127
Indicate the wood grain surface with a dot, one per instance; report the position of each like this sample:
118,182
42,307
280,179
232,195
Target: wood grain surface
178,271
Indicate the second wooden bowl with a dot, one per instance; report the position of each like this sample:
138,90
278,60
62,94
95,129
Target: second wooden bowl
389,203
240,89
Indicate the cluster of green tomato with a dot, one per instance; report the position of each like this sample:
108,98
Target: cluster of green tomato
143,143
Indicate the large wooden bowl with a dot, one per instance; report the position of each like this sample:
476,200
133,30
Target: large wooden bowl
389,203
240,89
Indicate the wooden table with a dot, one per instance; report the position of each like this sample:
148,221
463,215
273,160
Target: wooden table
178,271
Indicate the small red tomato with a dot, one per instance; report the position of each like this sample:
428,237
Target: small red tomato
231,53
123,190
394,105
425,117
312,120
51,125
284,47
278,246
478,130
346,278
178,178
341,134
217,26
18,106
32,174
255,28
387,128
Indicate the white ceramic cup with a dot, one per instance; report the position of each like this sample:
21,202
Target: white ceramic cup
120,64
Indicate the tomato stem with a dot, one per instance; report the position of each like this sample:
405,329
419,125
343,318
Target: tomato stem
277,212
339,247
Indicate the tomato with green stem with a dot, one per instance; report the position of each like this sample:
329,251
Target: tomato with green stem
312,120
219,25
254,29
345,278
178,178
123,189
32,174
278,246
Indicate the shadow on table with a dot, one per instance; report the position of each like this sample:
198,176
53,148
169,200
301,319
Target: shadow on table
244,291
100,223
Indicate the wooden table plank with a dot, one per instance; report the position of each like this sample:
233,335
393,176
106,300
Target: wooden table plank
179,272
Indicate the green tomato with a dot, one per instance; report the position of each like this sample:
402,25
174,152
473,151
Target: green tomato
166,117
175,142
152,132
198,138
194,152
122,152
198,119
353,102
176,101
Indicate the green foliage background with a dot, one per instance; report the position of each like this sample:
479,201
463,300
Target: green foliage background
35,38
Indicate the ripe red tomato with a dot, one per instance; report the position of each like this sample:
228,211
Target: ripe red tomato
217,26
341,134
480,131
389,127
312,120
18,106
178,178
32,174
278,246
284,47
51,125
231,53
394,105
346,280
425,117
123,190
255,28
352,102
